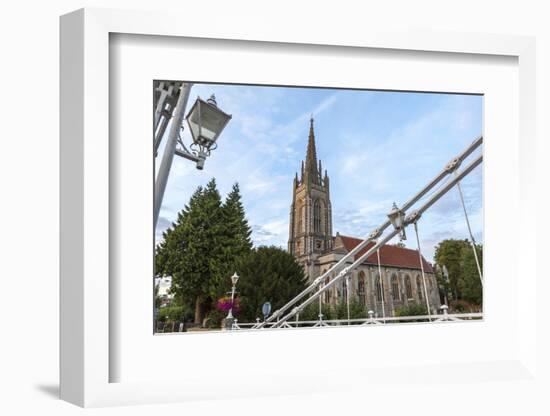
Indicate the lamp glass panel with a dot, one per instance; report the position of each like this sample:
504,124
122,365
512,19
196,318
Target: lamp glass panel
194,122
213,122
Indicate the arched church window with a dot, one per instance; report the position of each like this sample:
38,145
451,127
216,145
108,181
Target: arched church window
300,219
408,287
394,287
419,287
361,288
344,293
317,216
378,288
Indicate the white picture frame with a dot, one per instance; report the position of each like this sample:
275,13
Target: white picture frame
86,355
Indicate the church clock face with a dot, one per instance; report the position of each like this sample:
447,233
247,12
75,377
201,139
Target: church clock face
318,244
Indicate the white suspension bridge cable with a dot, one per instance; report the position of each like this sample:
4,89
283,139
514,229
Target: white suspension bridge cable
348,281
381,283
422,270
472,240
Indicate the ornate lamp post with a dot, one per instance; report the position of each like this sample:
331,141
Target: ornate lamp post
206,122
234,280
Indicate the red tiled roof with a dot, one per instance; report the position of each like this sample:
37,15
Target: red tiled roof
389,255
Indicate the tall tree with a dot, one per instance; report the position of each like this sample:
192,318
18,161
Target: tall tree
191,252
236,236
458,257
448,253
268,274
168,252
469,283
236,222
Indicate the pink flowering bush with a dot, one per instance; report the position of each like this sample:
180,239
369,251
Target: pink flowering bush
224,304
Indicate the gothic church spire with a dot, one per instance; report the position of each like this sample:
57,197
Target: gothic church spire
311,156
310,225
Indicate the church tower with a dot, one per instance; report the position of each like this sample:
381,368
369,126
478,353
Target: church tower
310,225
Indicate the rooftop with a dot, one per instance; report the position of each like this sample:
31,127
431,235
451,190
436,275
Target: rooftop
390,255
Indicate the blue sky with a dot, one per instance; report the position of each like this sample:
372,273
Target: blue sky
378,147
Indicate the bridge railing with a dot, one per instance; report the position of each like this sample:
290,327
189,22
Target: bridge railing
445,317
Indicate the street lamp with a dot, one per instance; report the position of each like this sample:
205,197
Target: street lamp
206,122
234,280
397,218
266,309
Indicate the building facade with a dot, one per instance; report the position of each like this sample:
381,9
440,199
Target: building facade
387,280
310,226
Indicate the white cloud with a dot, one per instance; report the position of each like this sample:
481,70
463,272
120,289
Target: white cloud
370,166
274,232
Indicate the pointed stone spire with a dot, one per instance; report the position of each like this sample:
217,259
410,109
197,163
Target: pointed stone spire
311,156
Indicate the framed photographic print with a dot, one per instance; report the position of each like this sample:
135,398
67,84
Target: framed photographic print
229,254
299,209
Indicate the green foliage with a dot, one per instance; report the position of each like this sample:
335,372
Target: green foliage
214,319
236,239
469,284
458,257
412,309
156,296
201,248
311,312
236,225
174,314
338,311
356,310
442,282
267,274
458,306
462,306
449,253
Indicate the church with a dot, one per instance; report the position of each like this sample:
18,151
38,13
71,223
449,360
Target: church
313,244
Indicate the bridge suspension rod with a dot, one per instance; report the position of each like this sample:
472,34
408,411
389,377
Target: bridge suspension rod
412,218
451,167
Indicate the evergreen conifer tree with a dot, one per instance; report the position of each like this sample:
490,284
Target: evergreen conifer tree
192,250
235,236
268,274
236,223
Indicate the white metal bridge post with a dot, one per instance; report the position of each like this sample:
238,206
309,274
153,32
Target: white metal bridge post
347,280
422,270
320,306
170,149
382,297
